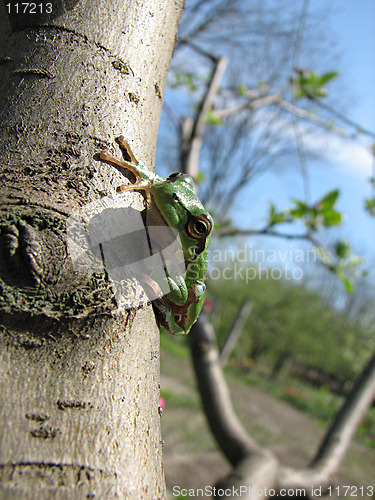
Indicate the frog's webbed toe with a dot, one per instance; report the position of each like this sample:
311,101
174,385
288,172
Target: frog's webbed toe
121,166
126,151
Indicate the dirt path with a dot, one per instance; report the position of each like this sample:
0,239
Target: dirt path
192,459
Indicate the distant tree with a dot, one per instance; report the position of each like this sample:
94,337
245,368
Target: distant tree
257,466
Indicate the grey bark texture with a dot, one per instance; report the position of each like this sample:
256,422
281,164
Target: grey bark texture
78,379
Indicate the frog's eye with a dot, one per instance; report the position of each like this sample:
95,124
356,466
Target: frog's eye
174,176
199,227
182,177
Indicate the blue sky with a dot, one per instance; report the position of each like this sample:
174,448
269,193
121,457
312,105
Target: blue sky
354,23
346,165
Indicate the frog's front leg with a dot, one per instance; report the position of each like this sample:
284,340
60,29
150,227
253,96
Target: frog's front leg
122,166
178,291
140,184
126,149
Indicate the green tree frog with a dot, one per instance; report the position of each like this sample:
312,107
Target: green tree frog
172,202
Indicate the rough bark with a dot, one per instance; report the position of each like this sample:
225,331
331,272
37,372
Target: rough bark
78,378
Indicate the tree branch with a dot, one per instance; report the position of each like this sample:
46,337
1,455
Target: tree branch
338,437
255,465
229,433
311,118
191,145
251,105
235,231
344,119
249,93
347,420
235,333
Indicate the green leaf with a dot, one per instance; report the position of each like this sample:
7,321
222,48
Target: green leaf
349,285
277,217
184,80
310,84
241,90
332,218
342,249
329,199
326,77
300,209
200,177
212,118
370,206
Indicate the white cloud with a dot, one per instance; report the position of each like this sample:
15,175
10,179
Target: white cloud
353,156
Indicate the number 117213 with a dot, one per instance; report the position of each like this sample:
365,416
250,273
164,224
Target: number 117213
351,491
29,8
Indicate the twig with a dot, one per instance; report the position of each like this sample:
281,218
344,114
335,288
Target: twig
311,118
344,119
236,331
235,231
198,49
191,146
251,105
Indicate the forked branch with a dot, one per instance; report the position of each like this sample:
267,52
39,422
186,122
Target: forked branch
252,464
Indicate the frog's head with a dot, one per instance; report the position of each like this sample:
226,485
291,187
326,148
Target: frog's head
181,209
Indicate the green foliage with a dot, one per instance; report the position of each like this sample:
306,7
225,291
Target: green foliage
346,266
309,84
342,249
178,400
320,402
291,324
200,177
187,79
370,206
275,217
321,214
242,89
370,202
212,118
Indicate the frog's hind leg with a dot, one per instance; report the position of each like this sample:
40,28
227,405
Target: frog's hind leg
126,151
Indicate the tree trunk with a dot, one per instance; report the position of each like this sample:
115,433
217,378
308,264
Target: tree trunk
78,374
